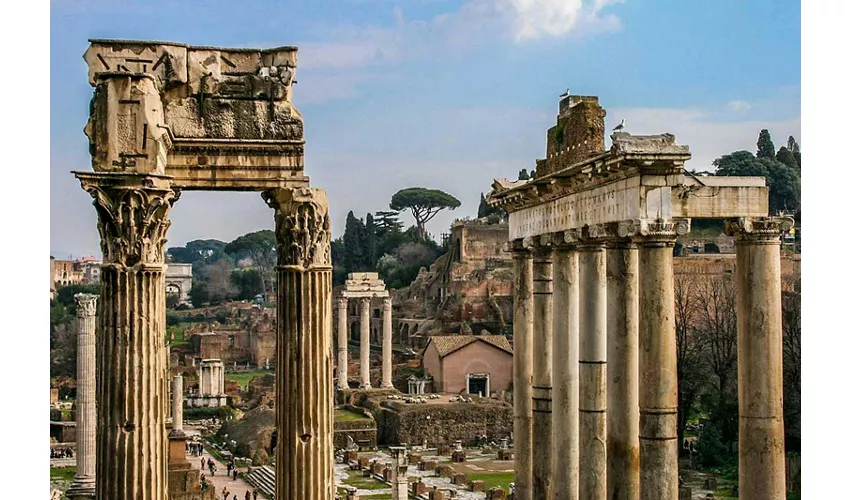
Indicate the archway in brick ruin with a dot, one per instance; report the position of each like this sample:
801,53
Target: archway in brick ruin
592,237
167,118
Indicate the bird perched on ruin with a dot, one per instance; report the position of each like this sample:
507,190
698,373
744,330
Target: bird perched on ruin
621,126
565,94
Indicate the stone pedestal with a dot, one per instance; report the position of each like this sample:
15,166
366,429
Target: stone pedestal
304,390
541,392
565,393
623,452
132,392
658,392
177,438
365,334
342,343
761,446
84,480
592,377
387,341
523,362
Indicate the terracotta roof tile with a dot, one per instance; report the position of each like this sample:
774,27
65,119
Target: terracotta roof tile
447,344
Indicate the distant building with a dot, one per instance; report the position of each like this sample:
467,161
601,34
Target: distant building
469,363
178,281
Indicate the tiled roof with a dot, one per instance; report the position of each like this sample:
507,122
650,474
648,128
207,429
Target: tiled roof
447,344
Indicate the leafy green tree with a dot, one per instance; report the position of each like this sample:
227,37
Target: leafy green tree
794,147
261,247
387,222
424,204
198,252
784,155
766,149
370,242
199,294
523,175
782,180
249,282
354,239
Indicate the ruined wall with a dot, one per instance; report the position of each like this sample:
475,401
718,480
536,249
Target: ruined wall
477,357
578,134
450,422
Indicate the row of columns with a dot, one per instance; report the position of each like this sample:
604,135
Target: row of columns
595,375
132,369
365,335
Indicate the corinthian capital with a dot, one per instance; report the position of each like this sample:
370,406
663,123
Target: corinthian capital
302,226
86,305
132,213
758,228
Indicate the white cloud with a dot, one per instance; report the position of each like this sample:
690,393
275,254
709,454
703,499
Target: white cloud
554,18
739,105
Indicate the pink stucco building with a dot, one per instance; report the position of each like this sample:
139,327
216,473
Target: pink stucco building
469,363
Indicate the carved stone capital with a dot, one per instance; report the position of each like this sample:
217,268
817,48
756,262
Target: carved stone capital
758,229
302,226
86,305
662,231
365,302
341,303
388,304
132,215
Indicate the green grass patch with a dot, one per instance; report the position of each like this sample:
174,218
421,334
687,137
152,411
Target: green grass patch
345,415
491,480
365,483
63,473
243,378
379,496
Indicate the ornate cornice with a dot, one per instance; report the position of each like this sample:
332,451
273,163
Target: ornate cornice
132,217
86,305
755,229
302,226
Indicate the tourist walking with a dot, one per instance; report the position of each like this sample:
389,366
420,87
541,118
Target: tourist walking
247,495
254,494
203,463
235,472
225,493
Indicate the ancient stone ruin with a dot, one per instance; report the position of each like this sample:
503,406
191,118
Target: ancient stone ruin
168,117
592,237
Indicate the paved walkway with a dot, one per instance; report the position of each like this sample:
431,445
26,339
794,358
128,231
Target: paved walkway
222,481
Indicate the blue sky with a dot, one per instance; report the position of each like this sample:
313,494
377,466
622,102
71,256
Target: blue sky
444,94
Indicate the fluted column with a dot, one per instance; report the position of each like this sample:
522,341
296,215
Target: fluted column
132,386
387,340
541,400
565,393
658,392
761,440
342,341
592,377
365,334
623,445
84,480
523,362
304,376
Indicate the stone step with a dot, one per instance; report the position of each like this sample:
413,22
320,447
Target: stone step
263,479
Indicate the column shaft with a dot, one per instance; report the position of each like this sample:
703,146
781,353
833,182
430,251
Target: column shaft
542,376
761,448
387,351
365,334
304,387
623,474
177,404
592,378
565,418
523,362
658,390
84,480
342,341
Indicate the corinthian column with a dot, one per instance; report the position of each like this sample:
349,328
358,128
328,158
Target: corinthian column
592,378
387,338
132,386
365,333
342,341
84,480
565,419
541,394
761,447
658,392
623,417
304,388
523,362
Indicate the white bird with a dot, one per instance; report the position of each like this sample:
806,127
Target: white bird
620,126
565,94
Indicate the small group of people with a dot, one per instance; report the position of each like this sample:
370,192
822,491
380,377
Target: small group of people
249,495
194,449
61,453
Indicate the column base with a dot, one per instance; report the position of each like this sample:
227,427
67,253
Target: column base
387,386
81,488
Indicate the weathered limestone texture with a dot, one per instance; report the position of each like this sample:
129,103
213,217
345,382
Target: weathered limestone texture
541,395
565,394
177,405
658,393
176,437
84,480
304,403
342,343
592,378
387,351
761,446
365,343
623,374
523,363
132,392
399,475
